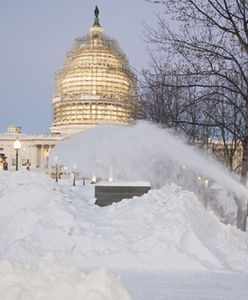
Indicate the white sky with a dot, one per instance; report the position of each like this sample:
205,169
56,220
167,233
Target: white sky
35,36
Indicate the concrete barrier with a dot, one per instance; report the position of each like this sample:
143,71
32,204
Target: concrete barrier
108,193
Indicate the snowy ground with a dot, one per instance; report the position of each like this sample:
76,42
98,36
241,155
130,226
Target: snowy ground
163,245
186,286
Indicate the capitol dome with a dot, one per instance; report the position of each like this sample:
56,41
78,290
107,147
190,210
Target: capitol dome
95,85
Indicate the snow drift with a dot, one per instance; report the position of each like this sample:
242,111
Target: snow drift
50,281
166,229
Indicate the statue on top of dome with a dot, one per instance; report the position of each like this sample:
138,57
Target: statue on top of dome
96,22
96,11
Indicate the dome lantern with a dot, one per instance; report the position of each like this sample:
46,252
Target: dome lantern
96,29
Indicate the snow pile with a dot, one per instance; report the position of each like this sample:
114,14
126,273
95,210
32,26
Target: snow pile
166,229
50,281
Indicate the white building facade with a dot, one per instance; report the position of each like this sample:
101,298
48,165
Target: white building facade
34,151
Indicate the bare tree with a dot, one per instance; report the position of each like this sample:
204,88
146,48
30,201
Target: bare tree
229,119
205,119
211,38
208,43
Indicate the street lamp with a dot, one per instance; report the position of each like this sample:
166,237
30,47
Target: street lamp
74,175
17,147
57,169
111,177
93,179
206,183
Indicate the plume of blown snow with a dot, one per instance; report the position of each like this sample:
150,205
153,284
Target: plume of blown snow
143,151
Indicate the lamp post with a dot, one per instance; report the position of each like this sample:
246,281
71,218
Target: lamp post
111,177
93,179
17,147
56,169
74,178
74,175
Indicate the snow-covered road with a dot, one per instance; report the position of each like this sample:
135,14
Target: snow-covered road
186,286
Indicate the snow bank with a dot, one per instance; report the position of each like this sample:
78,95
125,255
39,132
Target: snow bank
166,229
50,281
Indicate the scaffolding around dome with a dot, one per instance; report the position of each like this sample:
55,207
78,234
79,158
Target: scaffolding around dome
94,85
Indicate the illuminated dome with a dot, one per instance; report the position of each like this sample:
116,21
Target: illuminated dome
95,85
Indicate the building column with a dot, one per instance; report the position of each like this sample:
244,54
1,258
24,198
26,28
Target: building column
46,155
42,156
38,156
33,156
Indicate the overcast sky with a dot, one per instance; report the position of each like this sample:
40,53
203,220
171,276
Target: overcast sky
35,36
